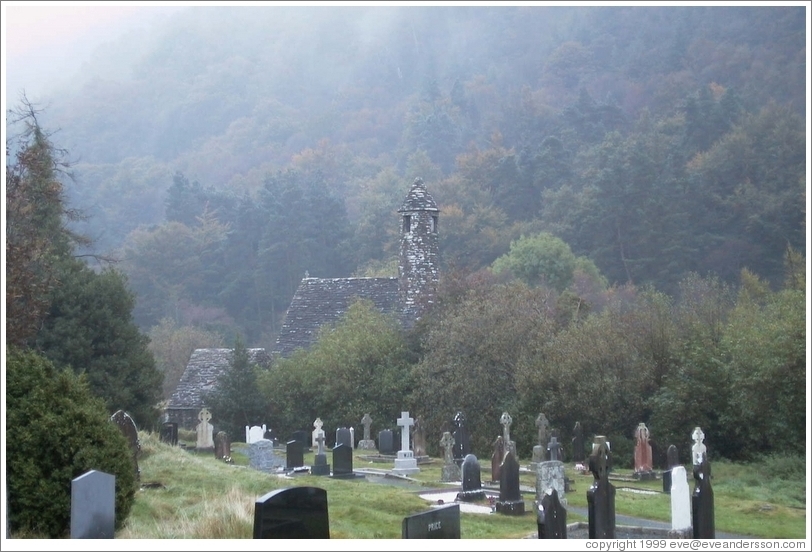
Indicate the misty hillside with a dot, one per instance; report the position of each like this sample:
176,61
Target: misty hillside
229,150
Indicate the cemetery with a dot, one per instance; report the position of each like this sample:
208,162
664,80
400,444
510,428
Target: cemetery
271,488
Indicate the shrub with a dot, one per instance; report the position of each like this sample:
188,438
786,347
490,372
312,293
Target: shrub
56,431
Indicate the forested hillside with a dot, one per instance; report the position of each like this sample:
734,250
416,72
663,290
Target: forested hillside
222,155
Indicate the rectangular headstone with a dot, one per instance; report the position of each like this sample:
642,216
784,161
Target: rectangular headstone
386,442
342,461
169,433
254,433
294,455
292,513
438,523
261,456
93,506
343,437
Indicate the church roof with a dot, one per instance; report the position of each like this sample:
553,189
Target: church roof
202,371
322,301
418,199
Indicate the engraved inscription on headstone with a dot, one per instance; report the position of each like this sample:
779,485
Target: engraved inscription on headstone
439,523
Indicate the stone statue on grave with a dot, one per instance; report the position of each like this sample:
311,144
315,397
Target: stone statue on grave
698,450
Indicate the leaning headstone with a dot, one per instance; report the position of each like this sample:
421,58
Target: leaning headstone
405,463
497,457
366,443
552,517
386,442
450,470
222,446
127,426
343,437
294,455
578,454
643,465
320,465
600,496
439,523
673,460
510,495
292,513
550,475
680,496
419,439
462,439
261,456
205,431
254,433
169,433
554,449
540,449
300,436
317,424
342,461
471,480
93,506
702,502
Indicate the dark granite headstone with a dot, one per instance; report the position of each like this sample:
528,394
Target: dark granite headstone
342,461
497,457
127,426
222,446
578,454
510,496
462,439
270,435
439,523
93,506
702,514
386,442
471,480
552,517
600,496
292,513
343,437
672,457
554,449
294,455
301,436
169,433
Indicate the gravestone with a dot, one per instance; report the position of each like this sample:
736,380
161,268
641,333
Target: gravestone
386,442
550,475
222,446
300,436
506,420
554,449
540,449
471,480
497,457
702,512
450,470
93,506
680,495
294,455
127,426
317,424
600,496
292,513
510,496
255,433
578,454
643,465
366,443
672,457
320,465
698,450
352,437
343,437
405,463
261,456
270,435
419,439
205,431
552,517
462,439
438,523
342,461
169,433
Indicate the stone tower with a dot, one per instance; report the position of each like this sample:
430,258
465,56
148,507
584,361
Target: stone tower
417,264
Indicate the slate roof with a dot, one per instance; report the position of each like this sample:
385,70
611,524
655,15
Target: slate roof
322,301
418,199
202,371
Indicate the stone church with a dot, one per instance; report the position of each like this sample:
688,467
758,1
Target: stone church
321,301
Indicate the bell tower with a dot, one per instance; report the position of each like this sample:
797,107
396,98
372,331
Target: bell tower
419,248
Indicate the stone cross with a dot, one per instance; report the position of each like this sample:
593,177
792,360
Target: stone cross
699,449
404,422
506,420
555,449
320,441
204,416
543,425
366,421
317,423
447,443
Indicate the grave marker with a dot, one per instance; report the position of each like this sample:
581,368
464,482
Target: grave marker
552,517
680,494
292,513
254,433
205,430
386,442
366,443
317,424
471,480
93,506
510,496
438,523
702,502
643,465
261,456
294,455
169,433
578,454
343,437
405,463
342,461
450,470
497,457
419,439
127,426
222,446
601,495
462,440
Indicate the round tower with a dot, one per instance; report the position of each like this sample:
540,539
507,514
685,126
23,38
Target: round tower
417,265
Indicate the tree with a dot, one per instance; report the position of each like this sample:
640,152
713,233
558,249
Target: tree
89,328
56,430
235,401
542,259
